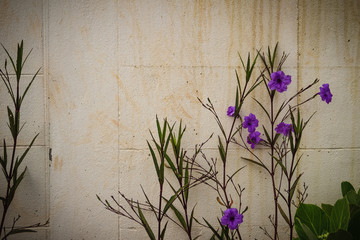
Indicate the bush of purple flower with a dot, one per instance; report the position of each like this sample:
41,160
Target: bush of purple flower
280,134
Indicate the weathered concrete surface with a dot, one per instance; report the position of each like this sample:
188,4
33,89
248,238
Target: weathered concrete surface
109,67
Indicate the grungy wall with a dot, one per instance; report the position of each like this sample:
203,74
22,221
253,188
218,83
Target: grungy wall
109,67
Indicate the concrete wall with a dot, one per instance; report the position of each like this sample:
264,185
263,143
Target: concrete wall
108,67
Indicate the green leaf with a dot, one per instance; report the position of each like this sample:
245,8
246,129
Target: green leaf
283,214
353,197
11,59
187,180
20,51
145,224
162,235
11,122
263,108
327,208
346,187
172,166
28,86
267,135
340,215
213,230
179,217
254,162
169,203
27,150
313,217
221,151
281,165
5,156
293,187
191,218
154,160
309,234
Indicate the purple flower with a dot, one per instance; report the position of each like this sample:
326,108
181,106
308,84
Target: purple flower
231,111
250,122
279,81
325,93
284,128
253,139
231,218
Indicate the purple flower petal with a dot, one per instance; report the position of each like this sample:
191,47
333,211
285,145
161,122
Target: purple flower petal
231,218
231,111
325,93
279,81
250,122
283,128
254,138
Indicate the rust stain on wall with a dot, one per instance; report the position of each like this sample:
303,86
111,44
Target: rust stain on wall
58,164
35,25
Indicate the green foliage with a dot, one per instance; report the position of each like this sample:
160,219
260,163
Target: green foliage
11,163
338,222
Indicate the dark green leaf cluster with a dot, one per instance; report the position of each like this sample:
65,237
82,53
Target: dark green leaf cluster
340,221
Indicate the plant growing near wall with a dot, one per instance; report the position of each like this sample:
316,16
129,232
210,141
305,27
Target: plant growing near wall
182,167
281,136
10,161
283,132
223,182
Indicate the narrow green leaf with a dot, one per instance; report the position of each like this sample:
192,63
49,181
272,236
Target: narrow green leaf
154,160
187,180
162,235
281,165
19,60
169,203
267,135
213,230
191,218
267,114
164,131
254,162
11,122
274,54
5,154
172,166
11,59
221,150
145,224
158,129
179,217
238,81
28,86
27,149
293,187
283,214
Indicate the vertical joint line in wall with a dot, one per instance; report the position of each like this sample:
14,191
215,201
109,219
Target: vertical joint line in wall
297,49
118,108
45,44
297,59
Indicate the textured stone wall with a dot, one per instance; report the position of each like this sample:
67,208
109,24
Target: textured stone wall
109,67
